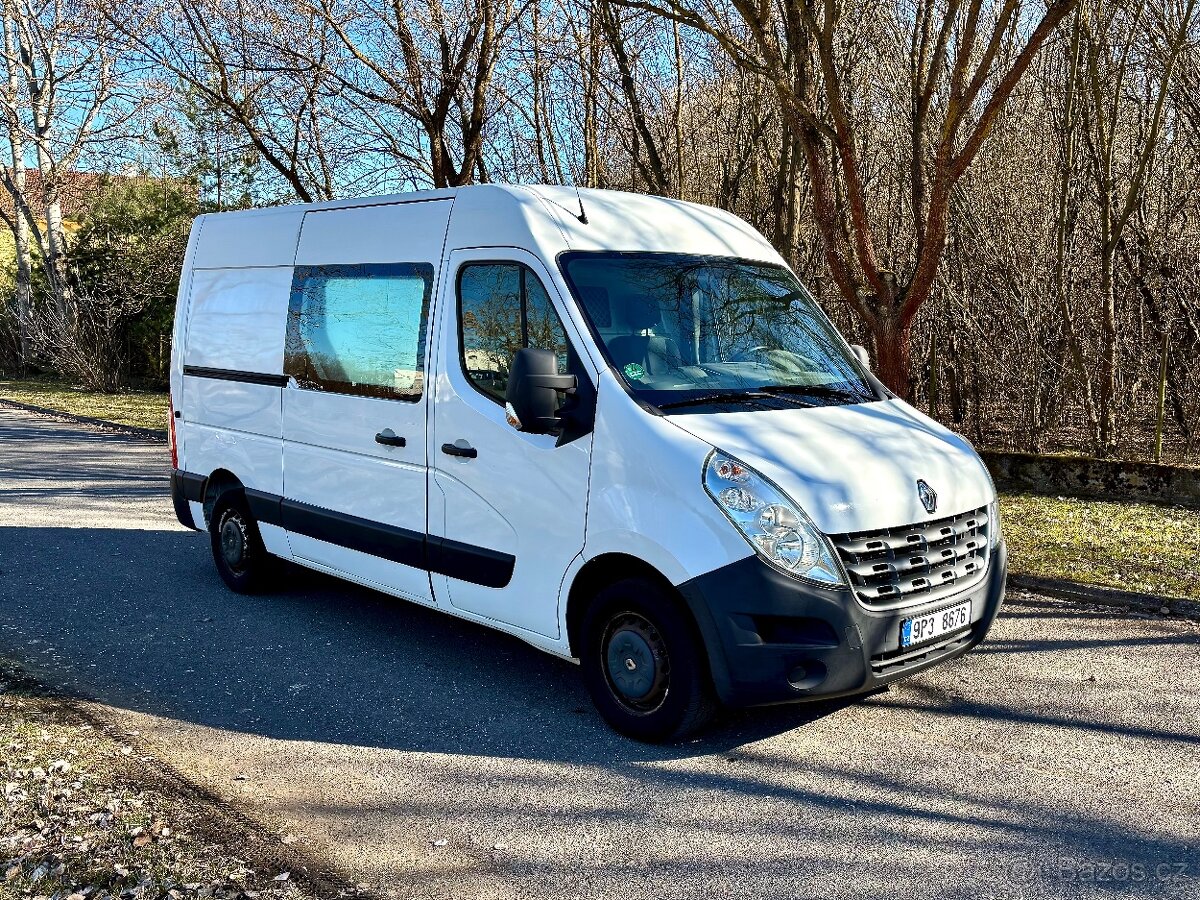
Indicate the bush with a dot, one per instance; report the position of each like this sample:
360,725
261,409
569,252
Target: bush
126,259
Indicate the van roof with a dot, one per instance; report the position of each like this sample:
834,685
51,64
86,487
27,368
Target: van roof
535,217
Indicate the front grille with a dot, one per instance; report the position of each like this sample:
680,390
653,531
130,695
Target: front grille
920,563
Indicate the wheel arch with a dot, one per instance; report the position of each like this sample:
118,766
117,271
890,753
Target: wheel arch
609,568
219,482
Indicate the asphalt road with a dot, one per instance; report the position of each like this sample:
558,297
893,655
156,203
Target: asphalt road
1062,758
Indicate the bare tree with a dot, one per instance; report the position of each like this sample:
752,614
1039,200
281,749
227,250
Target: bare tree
966,59
431,64
22,220
58,102
228,53
1002,195
645,147
1111,32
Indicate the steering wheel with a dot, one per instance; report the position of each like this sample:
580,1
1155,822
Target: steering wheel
749,355
777,358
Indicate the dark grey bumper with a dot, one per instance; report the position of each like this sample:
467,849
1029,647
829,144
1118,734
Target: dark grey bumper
773,639
186,487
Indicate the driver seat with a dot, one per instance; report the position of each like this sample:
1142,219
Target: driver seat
656,354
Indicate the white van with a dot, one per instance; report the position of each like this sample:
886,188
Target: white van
612,425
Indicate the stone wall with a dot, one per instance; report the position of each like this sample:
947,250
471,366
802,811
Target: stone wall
1083,476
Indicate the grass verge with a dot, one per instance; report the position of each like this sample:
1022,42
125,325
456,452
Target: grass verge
84,816
1129,546
144,409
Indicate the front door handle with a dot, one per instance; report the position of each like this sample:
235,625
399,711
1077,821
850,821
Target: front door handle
389,437
468,451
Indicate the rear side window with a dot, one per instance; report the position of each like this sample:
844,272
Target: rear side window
359,329
503,307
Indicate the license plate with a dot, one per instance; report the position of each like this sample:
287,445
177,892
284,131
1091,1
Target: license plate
920,629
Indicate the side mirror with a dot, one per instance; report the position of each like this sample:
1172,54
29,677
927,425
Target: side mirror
533,388
861,354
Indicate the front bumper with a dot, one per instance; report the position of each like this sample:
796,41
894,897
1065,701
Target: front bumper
773,639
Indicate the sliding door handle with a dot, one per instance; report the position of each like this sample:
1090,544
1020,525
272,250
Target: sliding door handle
389,437
467,451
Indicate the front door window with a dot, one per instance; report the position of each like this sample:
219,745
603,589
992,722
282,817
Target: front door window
503,307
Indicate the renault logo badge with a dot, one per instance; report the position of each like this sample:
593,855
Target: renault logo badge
928,496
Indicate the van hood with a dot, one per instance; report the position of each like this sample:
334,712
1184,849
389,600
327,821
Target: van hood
852,468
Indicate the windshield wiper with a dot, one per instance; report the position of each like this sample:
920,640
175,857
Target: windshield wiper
816,390
723,397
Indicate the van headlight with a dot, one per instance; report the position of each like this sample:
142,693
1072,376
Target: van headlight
776,527
994,522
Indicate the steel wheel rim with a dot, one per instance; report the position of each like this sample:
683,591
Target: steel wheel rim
636,665
235,543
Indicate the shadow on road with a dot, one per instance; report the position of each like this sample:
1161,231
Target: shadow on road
139,619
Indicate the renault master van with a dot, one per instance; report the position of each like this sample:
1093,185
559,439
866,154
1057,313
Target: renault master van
615,426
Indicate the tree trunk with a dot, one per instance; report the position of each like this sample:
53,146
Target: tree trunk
679,191
1108,355
591,89
536,101
893,354
56,235
23,289
438,162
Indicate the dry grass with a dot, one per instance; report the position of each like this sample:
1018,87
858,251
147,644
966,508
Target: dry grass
1142,547
145,409
82,817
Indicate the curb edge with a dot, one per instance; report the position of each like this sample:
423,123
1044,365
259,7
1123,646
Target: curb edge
1062,589
135,430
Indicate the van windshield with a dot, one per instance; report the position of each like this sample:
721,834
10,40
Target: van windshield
696,332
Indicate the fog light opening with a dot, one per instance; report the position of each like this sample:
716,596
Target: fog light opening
806,674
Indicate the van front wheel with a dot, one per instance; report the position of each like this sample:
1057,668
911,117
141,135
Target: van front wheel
643,664
237,547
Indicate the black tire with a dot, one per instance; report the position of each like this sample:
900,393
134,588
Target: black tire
237,547
644,664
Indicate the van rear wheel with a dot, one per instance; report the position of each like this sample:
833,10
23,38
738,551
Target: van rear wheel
242,561
643,663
